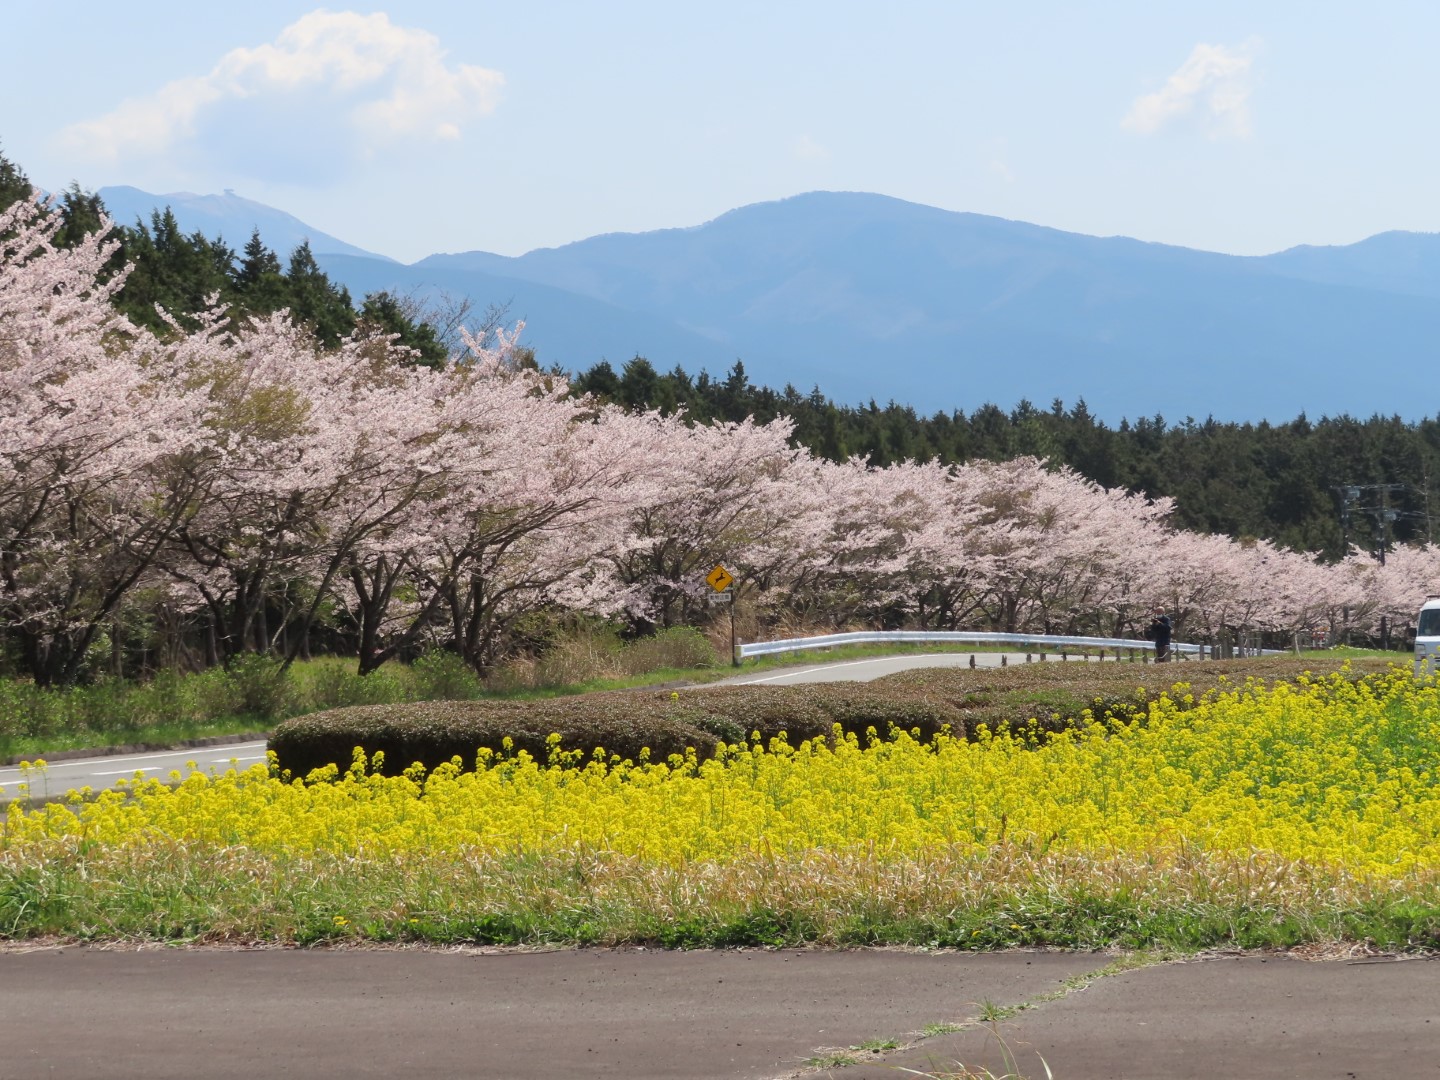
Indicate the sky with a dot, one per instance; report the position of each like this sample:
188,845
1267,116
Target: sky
422,127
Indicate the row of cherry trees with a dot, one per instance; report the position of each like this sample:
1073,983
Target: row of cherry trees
256,492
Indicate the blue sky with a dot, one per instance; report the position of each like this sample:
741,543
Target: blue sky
419,127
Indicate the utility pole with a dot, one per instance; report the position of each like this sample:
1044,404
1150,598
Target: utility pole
1381,513
1383,516
1349,496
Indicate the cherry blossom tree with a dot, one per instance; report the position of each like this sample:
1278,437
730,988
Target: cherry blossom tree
92,418
736,494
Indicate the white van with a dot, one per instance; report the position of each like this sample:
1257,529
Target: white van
1427,637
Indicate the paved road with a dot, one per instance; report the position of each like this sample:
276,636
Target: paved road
100,772
176,1013
875,667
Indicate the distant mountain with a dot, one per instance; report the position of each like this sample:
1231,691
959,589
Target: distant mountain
873,297
1400,262
562,327
228,216
870,297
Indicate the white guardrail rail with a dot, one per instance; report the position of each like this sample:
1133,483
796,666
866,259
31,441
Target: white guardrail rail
1057,642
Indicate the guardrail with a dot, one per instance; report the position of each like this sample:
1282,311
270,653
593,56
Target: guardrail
965,637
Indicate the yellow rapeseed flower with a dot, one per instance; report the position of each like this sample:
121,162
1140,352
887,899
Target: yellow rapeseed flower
1328,772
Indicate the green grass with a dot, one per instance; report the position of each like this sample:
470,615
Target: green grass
930,1031
177,890
834,1059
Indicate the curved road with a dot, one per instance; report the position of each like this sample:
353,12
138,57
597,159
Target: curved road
875,667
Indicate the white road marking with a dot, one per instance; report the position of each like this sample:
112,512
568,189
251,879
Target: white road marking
192,752
156,768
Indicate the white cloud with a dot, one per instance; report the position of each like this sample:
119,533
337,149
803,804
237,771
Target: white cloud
996,153
807,149
369,80
1214,78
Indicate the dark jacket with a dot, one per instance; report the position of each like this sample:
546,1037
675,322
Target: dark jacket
1159,630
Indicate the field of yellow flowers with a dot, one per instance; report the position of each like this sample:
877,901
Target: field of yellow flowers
1258,816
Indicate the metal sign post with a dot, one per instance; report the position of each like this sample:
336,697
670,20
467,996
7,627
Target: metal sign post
734,648
720,580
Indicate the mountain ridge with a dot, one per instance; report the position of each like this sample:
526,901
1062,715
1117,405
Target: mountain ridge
875,298
228,215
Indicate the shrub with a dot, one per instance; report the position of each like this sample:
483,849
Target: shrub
262,686
624,724
860,709
678,647
25,710
583,655
443,676
334,683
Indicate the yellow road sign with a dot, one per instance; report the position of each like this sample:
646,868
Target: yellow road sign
719,579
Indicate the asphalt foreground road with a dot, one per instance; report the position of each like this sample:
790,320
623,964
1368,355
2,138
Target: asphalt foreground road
164,1013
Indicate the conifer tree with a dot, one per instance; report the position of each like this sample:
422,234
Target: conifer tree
259,279
385,312
315,301
14,184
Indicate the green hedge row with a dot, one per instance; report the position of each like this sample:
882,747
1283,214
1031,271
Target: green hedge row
622,723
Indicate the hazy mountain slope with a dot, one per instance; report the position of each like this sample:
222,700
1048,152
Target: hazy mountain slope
228,216
1402,262
875,297
872,297
565,328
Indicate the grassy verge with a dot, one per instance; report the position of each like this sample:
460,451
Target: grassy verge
257,693
193,892
158,737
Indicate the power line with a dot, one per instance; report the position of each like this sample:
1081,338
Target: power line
1382,513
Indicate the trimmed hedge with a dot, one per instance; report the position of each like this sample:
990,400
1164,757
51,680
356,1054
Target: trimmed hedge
622,723
433,733
1046,697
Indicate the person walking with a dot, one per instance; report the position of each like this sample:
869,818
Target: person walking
1159,632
